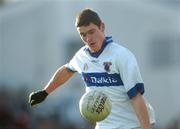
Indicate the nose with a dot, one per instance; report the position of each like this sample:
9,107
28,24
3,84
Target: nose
88,38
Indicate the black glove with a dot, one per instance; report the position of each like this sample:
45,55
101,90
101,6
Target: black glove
37,97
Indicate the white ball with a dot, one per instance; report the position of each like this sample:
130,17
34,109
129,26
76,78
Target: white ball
95,106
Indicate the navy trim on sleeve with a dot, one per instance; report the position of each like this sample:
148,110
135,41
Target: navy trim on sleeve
139,87
70,70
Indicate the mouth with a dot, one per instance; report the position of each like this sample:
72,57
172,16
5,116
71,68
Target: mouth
92,44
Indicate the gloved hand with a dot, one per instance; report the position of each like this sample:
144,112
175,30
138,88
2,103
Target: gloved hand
37,97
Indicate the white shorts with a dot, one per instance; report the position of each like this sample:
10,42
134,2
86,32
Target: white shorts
136,128
152,126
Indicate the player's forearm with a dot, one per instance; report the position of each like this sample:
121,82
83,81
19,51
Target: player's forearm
59,77
141,111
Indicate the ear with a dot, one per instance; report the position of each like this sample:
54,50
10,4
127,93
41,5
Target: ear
102,27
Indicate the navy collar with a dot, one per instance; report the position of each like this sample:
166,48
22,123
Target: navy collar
105,43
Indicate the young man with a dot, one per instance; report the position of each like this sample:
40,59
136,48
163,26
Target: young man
106,66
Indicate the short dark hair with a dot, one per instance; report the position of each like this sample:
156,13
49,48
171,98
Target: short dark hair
86,17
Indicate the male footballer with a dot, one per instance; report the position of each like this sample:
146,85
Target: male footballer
105,65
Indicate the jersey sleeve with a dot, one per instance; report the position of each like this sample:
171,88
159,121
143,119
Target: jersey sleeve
75,64
130,74
71,65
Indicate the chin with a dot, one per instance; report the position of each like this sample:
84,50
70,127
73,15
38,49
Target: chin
95,50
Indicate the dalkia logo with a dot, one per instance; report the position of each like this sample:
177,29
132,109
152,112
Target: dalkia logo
103,80
107,66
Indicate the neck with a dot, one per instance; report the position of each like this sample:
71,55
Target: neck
106,41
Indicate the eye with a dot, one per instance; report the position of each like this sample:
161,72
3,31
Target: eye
83,35
91,31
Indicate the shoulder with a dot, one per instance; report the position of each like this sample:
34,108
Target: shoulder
81,51
120,50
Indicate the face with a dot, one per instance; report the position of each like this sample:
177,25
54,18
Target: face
92,36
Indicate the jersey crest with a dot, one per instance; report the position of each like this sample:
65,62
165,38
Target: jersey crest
107,65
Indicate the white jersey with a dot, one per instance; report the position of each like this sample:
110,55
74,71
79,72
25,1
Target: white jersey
114,70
